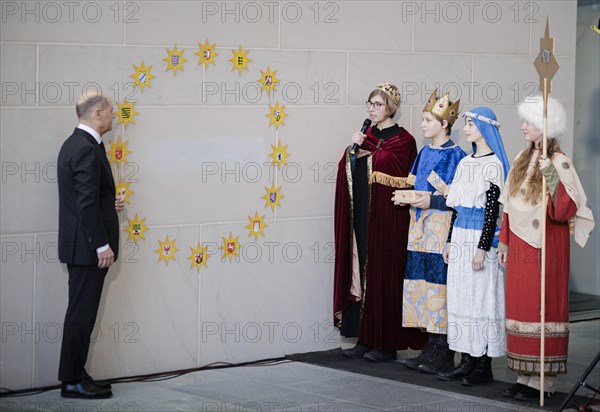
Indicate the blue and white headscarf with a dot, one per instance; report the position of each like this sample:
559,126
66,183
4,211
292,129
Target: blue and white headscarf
485,120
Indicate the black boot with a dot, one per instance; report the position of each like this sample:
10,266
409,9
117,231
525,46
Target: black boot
357,351
482,374
424,356
442,358
467,364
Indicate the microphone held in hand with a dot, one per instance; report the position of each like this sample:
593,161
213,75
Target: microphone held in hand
363,129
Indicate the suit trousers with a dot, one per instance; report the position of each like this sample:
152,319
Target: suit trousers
85,290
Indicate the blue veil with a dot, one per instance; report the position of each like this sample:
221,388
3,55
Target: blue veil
485,120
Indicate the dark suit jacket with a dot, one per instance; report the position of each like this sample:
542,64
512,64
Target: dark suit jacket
86,191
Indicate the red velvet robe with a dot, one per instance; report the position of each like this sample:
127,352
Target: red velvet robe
523,292
387,240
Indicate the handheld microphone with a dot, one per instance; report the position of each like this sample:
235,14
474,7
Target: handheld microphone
363,129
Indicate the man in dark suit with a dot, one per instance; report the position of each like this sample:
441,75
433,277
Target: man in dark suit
88,238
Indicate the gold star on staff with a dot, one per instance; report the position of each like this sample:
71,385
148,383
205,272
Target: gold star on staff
142,76
123,188
268,81
126,113
198,257
207,53
167,250
273,197
240,60
545,62
118,151
279,155
175,60
136,229
256,226
230,247
276,115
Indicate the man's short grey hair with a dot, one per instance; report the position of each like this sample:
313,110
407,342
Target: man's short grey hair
90,102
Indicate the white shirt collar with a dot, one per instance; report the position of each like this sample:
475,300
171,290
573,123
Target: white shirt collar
90,131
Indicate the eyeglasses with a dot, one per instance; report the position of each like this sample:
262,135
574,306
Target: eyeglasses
376,105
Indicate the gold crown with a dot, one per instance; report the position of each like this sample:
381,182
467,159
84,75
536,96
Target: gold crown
391,90
442,108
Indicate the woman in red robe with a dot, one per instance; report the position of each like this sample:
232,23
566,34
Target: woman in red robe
371,234
519,250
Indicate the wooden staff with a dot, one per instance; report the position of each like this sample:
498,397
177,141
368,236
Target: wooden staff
546,66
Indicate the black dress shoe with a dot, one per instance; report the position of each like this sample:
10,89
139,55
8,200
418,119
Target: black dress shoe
380,355
103,384
530,394
512,391
357,351
85,389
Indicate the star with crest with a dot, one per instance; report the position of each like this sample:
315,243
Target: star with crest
118,151
207,53
142,76
273,196
279,155
126,113
167,250
276,115
175,60
122,188
240,60
136,229
268,81
256,225
198,257
230,247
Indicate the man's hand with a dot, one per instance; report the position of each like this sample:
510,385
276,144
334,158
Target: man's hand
120,201
502,258
106,258
396,200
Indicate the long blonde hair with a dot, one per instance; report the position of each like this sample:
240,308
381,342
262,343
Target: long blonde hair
519,172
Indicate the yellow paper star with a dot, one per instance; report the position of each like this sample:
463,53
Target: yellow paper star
268,81
240,60
118,151
136,229
175,60
142,76
279,155
276,115
273,197
126,113
198,257
123,188
167,250
207,53
256,226
230,247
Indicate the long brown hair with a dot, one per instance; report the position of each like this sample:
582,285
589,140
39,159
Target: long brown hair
519,172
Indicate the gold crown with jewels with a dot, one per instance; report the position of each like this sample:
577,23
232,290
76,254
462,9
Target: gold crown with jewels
392,91
442,108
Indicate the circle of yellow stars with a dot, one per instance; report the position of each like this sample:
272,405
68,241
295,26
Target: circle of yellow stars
276,115
206,54
240,60
198,257
175,60
167,250
126,112
136,229
142,76
230,247
268,81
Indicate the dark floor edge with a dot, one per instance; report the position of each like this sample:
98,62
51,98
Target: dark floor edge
394,371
